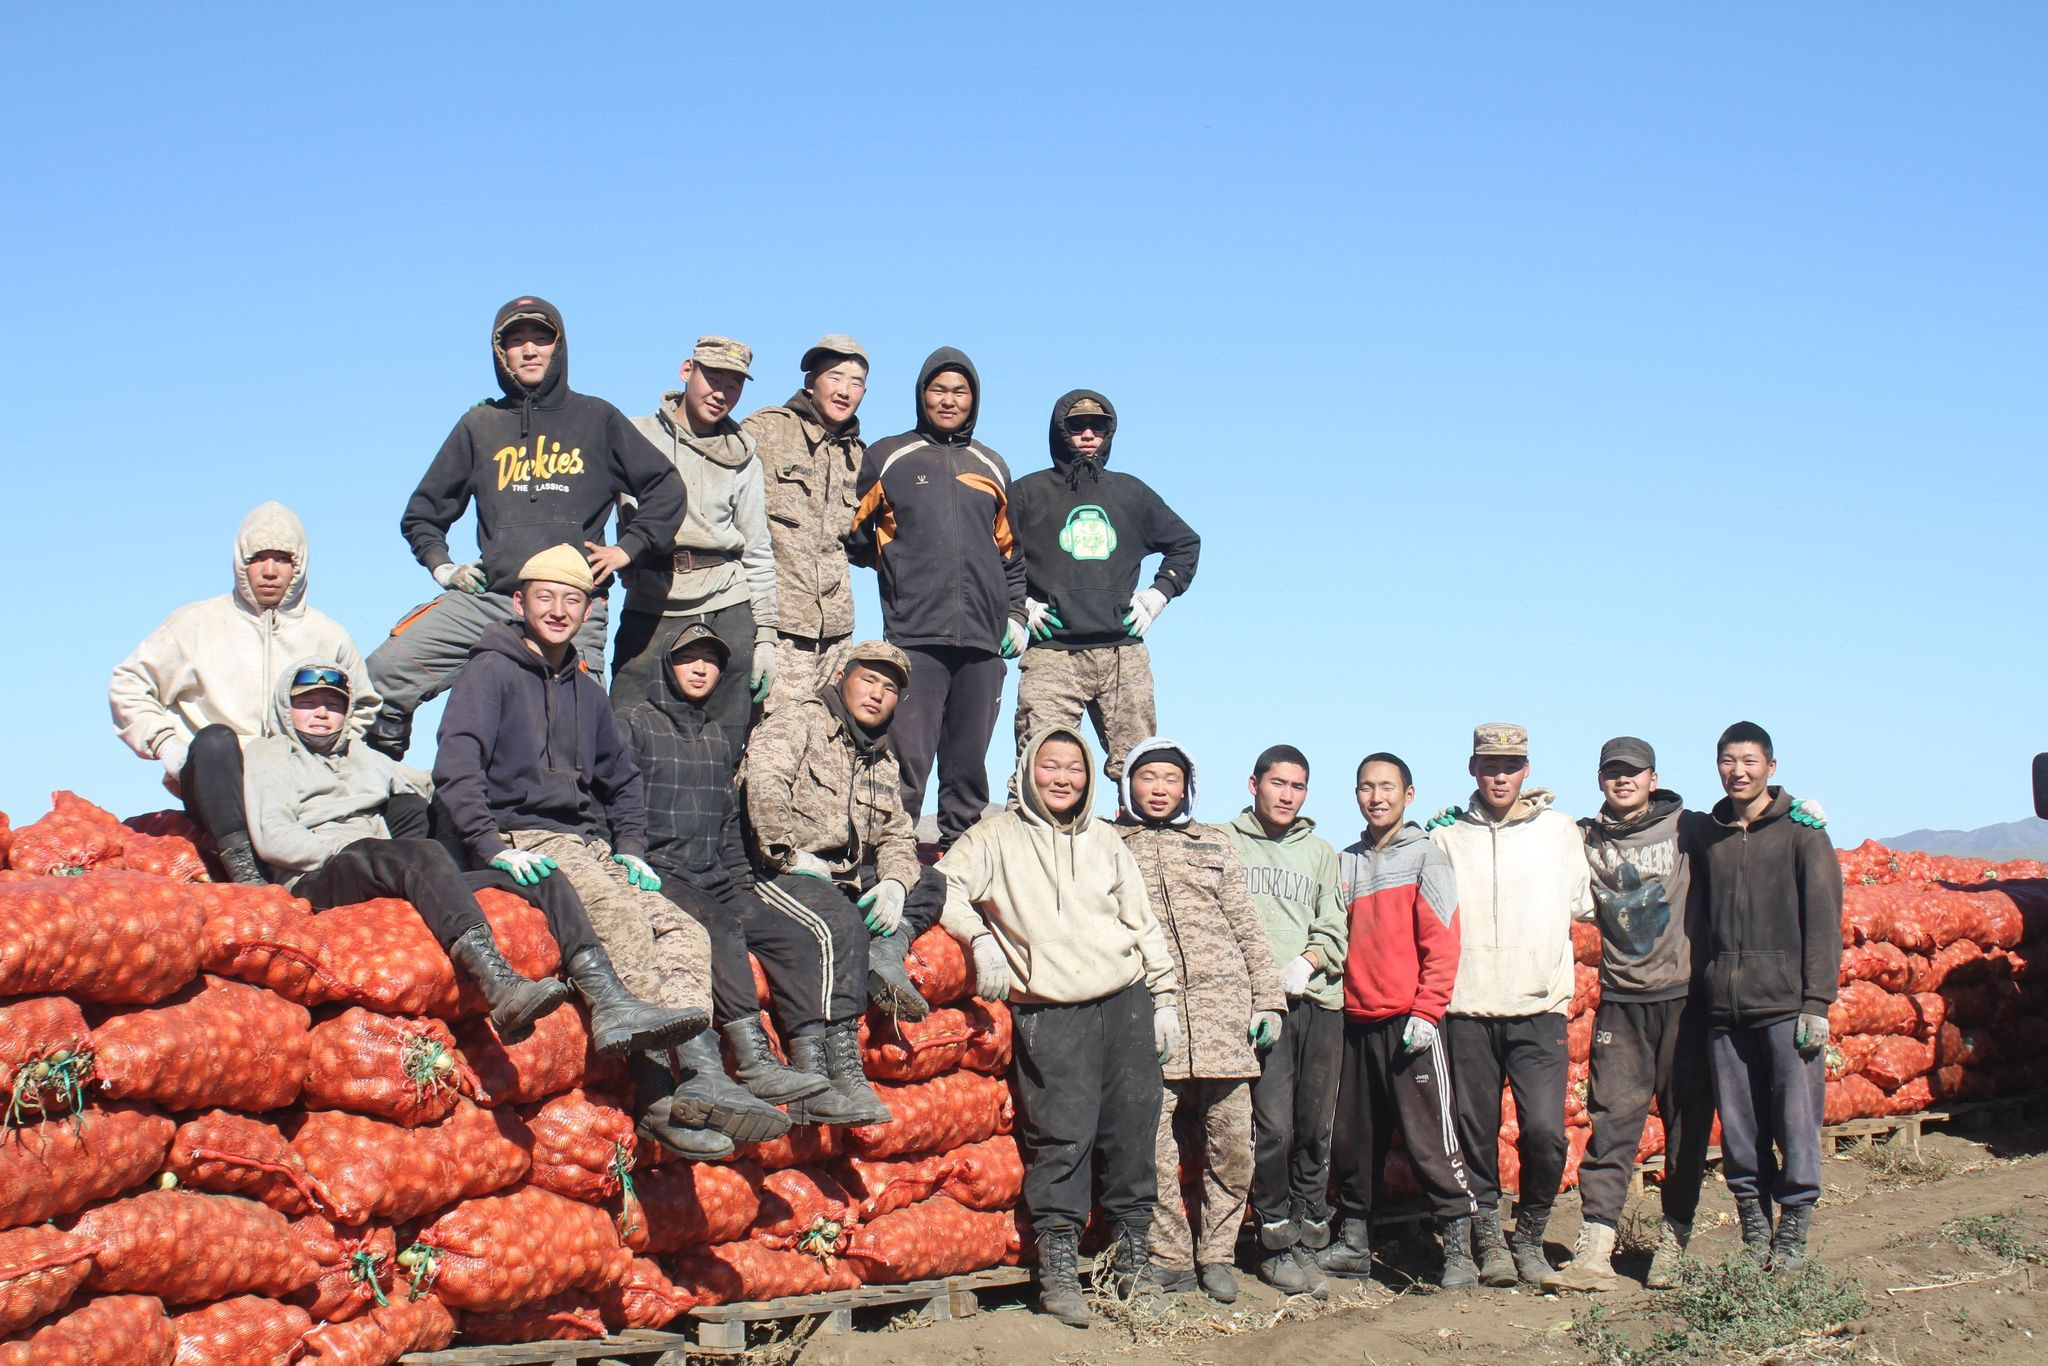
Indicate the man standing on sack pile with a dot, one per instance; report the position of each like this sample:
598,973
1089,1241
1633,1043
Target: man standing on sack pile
720,568
934,522
1521,877
203,682
810,452
1085,531
544,465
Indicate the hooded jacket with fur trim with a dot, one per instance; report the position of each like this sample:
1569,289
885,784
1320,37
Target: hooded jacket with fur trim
1521,883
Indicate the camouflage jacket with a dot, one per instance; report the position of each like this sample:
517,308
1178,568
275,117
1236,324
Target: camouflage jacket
809,475
810,789
1196,884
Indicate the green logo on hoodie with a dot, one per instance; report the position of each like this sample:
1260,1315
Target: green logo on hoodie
1088,534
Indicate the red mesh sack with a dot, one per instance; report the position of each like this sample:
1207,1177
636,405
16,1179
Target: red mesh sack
938,968
1576,1138
987,1175
231,1154
171,856
383,1335
217,1043
115,938
545,1063
573,1317
62,1165
373,1169
380,954
185,1247
644,1297
506,1251
1577,1084
63,846
71,806
264,936
1908,922
1578,1036
1853,1097
112,1330
684,1204
1585,990
240,1331
169,821
803,1143
6,838
934,1116
1910,1099
1884,964
882,1185
1855,1049
1963,1083
356,1269
745,1270
938,1237
582,1148
912,1050
1652,1141
1864,1008
40,1269
406,1071
45,1060
803,1209
1586,943
1955,1046
989,1050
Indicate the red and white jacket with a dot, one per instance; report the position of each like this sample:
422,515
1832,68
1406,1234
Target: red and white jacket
1402,902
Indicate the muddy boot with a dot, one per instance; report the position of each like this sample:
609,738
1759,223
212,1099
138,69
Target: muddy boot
1059,1281
1667,1262
1592,1265
1161,1280
1127,1256
1788,1248
706,1098
1315,1233
516,1002
1460,1272
621,1022
390,737
842,1064
1218,1282
829,1106
1277,1265
889,984
1532,1264
764,1074
652,1088
238,860
1496,1267
1349,1255
1756,1230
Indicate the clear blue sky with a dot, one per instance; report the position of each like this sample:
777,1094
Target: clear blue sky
1607,368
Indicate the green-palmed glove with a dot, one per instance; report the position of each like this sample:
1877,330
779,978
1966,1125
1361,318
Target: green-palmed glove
1146,605
463,578
1015,638
527,869
884,906
991,969
637,872
1445,815
763,677
1165,1032
1039,617
810,865
1811,1036
1418,1035
1807,812
1265,1028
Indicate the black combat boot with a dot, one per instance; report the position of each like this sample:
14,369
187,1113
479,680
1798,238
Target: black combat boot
1756,1230
621,1022
653,1102
1059,1280
831,1105
706,1098
764,1074
1460,1272
516,1002
1349,1255
1496,1267
1532,1263
1788,1247
238,860
889,984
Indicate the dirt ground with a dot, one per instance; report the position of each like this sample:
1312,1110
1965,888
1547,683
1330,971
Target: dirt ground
1947,1250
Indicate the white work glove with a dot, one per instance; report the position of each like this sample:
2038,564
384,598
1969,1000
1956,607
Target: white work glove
809,865
1418,1035
1294,978
173,752
1808,812
763,677
1265,1028
1165,1033
1015,638
525,867
991,969
1040,619
884,906
637,872
463,578
1146,605
1811,1036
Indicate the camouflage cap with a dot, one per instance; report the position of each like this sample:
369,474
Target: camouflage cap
698,633
884,657
1087,407
1500,737
830,345
723,353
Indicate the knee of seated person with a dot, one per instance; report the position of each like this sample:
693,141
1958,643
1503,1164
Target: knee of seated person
215,744
422,850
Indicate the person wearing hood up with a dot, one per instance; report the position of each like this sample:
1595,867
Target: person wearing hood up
1085,530
1051,908
720,571
1231,1011
202,683
1522,879
537,781
1291,873
934,521
1401,898
544,465
823,801
810,452
339,823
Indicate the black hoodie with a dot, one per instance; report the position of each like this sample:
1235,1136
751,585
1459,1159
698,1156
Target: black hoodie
528,747
1771,918
934,522
1086,531
545,466
693,810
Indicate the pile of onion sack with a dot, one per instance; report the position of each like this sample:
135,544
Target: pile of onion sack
238,1131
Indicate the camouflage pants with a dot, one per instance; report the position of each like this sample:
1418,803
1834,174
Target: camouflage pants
662,955
796,668
1221,1112
1113,685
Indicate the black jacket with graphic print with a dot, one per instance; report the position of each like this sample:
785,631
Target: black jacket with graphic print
934,522
1085,532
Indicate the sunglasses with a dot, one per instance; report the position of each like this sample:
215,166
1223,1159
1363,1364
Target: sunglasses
320,678
1087,424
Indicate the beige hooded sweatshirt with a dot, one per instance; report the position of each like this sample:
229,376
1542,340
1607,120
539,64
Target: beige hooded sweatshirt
1065,900
1521,883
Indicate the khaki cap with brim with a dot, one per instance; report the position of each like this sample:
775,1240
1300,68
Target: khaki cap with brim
1087,407
833,344
884,657
723,353
697,633
1500,737
561,564
525,315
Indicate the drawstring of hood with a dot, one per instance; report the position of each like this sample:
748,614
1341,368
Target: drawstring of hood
554,380
1136,759
1073,467
948,358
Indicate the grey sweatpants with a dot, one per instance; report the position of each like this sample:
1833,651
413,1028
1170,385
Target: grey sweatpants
430,644
1771,1102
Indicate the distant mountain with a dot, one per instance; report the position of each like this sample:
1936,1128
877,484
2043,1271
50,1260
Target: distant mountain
2013,839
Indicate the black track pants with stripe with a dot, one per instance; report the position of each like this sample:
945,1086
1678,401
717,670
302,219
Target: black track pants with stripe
1380,1087
812,940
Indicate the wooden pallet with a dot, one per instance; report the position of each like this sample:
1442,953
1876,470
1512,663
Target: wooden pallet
723,1327
1886,1128
641,1347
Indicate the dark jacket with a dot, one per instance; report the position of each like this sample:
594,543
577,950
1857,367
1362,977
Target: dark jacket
544,466
1642,882
1771,916
934,522
693,809
526,747
1085,531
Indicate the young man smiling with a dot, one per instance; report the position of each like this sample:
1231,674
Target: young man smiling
1292,875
